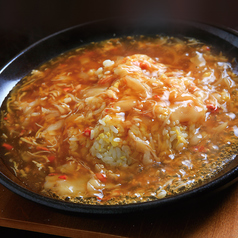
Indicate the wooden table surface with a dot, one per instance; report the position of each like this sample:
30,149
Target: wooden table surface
215,217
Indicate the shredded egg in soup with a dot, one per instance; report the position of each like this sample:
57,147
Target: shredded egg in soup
124,120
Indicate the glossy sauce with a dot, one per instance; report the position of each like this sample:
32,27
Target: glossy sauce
126,118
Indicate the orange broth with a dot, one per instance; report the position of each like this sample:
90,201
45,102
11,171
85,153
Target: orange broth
123,120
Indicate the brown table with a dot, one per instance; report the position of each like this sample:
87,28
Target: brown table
217,216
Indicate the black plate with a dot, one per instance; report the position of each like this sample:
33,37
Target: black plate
224,39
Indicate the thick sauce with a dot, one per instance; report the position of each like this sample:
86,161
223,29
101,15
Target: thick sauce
123,120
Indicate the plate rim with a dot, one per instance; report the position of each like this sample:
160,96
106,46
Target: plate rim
217,184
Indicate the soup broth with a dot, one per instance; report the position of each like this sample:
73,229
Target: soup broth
124,120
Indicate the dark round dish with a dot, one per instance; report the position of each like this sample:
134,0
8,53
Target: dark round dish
51,46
